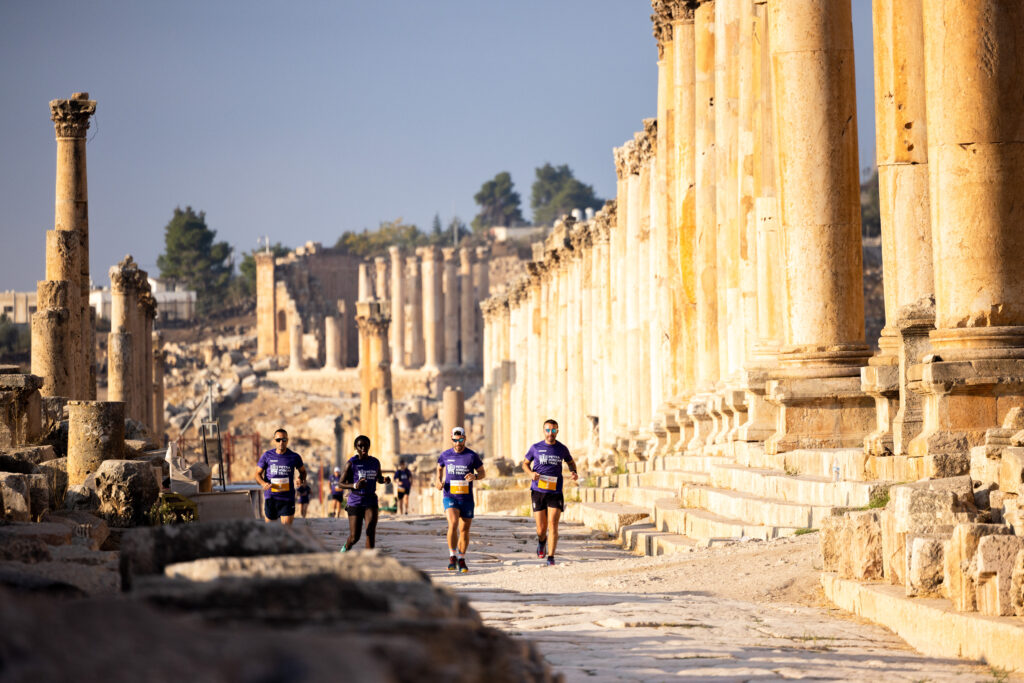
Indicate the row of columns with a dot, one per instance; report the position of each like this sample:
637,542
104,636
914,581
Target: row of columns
719,299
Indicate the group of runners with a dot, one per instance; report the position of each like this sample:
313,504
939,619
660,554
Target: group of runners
457,468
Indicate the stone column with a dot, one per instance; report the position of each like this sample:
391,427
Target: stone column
147,315
414,346
397,308
296,362
706,237
534,353
602,330
63,253
433,308
121,343
365,284
467,320
51,337
974,58
376,413
490,406
506,380
71,212
21,409
380,285
453,410
482,284
343,327
159,360
818,393
266,307
665,290
95,434
452,324
646,148
332,343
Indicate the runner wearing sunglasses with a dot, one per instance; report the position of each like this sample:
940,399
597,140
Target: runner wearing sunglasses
457,469
543,462
275,472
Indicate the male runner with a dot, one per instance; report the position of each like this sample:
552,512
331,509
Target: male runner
543,463
403,482
457,469
275,472
337,494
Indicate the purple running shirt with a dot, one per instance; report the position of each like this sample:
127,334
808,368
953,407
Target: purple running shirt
456,467
546,459
279,470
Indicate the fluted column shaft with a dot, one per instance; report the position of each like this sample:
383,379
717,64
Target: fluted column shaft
705,207
414,345
397,307
433,308
452,327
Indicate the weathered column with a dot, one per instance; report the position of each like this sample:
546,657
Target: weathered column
603,331
507,369
414,348
397,307
517,393
51,337
21,409
818,393
332,343
71,212
974,60
482,285
63,253
451,308
266,306
343,328
296,362
467,304
159,360
365,284
534,354
646,148
453,410
490,405
147,315
376,412
121,343
433,308
380,284
95,434
706,264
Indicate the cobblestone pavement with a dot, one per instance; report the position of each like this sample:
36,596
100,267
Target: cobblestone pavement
602,614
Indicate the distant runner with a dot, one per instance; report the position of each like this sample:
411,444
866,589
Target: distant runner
543,462
403,481
275,472
457,469
303,492
362,474
337,494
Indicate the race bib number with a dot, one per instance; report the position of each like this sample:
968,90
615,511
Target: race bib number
547,483
458,486
280,484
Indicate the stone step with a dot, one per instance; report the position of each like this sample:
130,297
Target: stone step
607,517
643,538
703,525
797,488
821,462
642,496
671,479
754,509
503,500
637,466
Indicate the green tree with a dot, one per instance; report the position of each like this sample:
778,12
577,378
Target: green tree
247,268
367,244
557,192
870,213
192,258
499,204
435,226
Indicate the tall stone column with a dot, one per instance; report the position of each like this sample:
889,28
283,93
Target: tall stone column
507,376
364,284
482,285
603,329
51,337
517,393
71,212
266,305
159,361
452,324
63,253
95,434
818,391
467,304
343,327
646,152
121,341
296,362
332,343
433,308
414,347
397,307
490,405
706,266
534,354
376,412
974,58
453,410
147,315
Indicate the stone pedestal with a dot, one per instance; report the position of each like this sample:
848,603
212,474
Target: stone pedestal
95,434
20,410
914,323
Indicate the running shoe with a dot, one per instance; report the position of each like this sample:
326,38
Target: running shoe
463,569
542,549
451,564
343,549
551,560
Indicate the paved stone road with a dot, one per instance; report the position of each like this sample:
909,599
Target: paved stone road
602,614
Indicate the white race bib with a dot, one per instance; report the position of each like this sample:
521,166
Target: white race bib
280,484
547,483
458,486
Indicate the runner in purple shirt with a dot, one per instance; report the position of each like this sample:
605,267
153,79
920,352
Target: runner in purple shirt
543,462
275,472
457,469
362,474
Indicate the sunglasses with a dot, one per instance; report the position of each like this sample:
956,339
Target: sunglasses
551,431
458,438
280,440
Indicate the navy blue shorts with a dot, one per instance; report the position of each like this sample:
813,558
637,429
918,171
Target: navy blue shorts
274,508
465,508
542,500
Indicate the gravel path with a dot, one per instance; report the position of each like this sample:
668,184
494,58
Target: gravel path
748,611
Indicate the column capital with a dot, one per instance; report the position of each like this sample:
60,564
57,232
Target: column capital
625,159
448,254
646,143
395,252
666,12
71,117
428,253
147,304
124,277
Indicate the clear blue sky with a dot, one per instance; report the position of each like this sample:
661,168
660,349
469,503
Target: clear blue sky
300,120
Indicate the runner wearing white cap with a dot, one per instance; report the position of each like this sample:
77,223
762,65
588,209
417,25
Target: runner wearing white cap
457,469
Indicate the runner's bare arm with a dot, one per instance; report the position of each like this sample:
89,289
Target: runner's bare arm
529,470
261,479
302,474
572,467
346,479
478,475
440,477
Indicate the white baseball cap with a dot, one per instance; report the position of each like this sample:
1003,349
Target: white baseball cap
337,469
458,431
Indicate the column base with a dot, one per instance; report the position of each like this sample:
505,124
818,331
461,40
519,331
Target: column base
819,411
882,383
761,415
736,401
699,413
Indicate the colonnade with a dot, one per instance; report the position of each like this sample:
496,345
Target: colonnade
717,302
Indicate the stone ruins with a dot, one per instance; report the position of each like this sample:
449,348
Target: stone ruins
704,332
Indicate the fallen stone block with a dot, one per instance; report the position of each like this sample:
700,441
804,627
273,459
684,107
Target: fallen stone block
865,548
56,473
149,551
31,454
894,553
126,490
924,566
15,495
49,533
922,506
9,463
960,566
250,383
24,549
82,496
997,556
86,529
829,537
1017,585
1011,471
39,494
